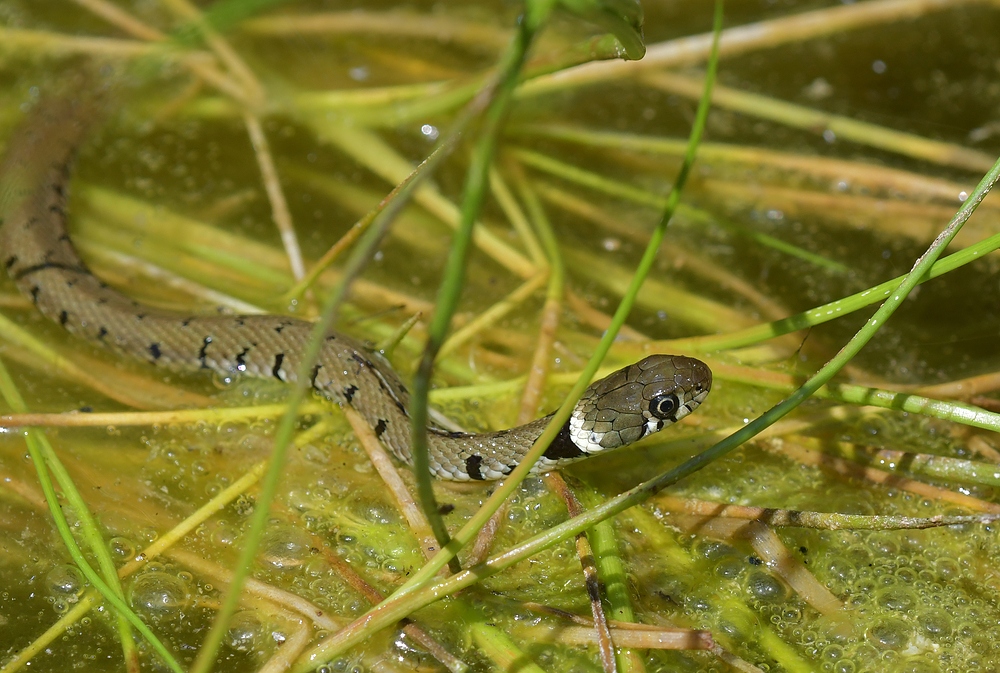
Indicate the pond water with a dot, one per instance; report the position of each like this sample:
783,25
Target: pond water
842,139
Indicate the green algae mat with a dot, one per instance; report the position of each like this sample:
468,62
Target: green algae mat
509,200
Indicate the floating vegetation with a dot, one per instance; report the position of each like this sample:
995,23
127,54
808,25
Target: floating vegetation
513,185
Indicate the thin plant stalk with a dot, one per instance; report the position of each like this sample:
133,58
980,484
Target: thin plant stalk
476,186
614,580
404,597
280,213
621,314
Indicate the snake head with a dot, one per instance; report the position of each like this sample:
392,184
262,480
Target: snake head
637,401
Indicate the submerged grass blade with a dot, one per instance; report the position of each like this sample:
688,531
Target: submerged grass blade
554,299
817,121
77,419
832,310
501,650
805,451
873,178
948,410
643,197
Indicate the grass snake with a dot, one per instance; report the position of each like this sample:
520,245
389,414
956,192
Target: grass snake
39,257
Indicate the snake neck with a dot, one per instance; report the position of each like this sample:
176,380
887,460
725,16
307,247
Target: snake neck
494,455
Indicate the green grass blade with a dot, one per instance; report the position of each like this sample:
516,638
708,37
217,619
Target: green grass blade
834,309
45,459
410,594
476,187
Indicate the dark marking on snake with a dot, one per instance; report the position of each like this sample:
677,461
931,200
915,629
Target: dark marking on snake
35,268
203,353
241,363
380,427
562,447
276,369
474,465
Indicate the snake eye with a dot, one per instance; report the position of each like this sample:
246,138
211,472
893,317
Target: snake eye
663,406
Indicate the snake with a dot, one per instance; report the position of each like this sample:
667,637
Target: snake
40,258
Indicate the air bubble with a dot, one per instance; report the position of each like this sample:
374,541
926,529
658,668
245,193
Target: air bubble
763,587
244,631
844,666
729,568
712,550
895,599
842,569
121,548
65,583
890,634
159,594
833,653
947,569
935,624
285,546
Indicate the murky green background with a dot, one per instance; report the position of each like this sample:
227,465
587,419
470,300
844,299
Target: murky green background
914,600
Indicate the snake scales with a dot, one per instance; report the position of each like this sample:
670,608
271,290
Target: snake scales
40,258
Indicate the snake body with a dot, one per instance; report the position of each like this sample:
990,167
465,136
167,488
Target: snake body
39,257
